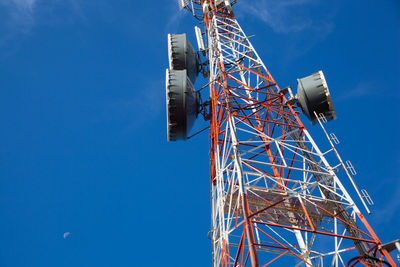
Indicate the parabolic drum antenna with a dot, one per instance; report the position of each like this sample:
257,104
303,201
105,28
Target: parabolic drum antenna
314,97
277,199
182,56
182,104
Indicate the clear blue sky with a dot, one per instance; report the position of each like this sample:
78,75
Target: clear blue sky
82,122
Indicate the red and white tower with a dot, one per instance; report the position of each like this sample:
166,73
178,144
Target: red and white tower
275,197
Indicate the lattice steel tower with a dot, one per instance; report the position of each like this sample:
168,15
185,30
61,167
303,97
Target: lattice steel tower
274,195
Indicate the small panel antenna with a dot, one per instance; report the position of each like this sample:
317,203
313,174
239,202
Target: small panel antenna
199,37
183,4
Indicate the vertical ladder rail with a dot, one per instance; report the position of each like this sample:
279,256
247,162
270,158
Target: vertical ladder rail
343,165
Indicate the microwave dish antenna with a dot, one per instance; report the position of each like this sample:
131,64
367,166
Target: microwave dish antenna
182,55
182,104
314,97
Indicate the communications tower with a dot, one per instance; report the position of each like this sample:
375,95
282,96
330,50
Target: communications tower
275,198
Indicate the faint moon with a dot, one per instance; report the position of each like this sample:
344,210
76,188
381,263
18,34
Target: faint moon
66,234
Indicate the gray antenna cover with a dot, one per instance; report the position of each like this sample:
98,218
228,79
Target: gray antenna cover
313,96
182,104
182,55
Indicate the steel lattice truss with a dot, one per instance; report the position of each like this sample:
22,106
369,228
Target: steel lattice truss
274,194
